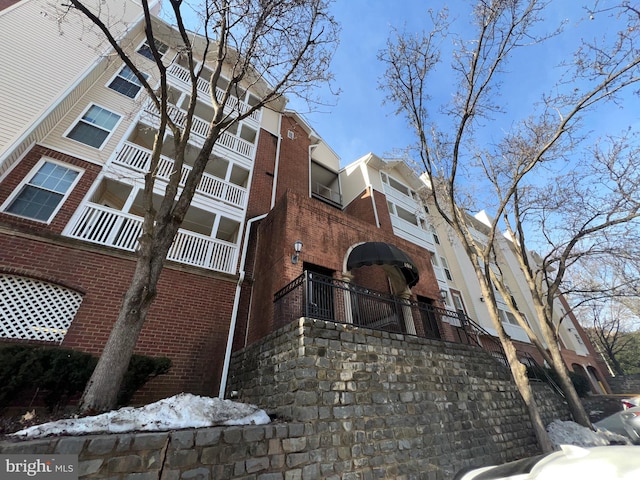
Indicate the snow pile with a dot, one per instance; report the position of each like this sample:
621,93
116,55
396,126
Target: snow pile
180,411
571,433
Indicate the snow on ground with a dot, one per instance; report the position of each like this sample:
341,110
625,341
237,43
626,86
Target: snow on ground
180,411
571,433
192,411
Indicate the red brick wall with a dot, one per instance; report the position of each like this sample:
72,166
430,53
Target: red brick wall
327,234
263,175
22,169
7,3
293,171
188,322
361,207
384,217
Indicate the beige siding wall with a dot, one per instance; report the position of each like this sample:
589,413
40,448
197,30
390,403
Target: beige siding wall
102,96
42,57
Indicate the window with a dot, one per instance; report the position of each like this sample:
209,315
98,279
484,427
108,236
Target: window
94,127
508,317
445,267
126,83
145,49
41,196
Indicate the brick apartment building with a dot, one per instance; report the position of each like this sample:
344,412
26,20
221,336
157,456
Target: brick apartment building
71,163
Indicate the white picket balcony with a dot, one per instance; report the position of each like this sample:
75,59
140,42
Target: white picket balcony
411,232
182,74
200,129
138,158
113,228
400,198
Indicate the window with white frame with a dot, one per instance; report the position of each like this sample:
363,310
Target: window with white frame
95,126
508,317
126,83
43,192
145,49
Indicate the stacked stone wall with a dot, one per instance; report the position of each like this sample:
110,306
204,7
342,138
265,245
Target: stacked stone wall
625,384
423,407
353,404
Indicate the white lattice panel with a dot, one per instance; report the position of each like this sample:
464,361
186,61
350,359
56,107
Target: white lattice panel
35,310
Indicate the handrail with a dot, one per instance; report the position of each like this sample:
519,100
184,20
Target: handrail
182,74
113,228
139,159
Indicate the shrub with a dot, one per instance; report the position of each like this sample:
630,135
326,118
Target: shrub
60,373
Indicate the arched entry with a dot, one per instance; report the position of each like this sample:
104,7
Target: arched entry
595,380
385,254
400,269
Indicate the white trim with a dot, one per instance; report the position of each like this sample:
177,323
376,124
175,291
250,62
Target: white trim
81,117
57,101
27,179
8,171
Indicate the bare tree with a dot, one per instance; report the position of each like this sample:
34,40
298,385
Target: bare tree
608,330
273,47
448,155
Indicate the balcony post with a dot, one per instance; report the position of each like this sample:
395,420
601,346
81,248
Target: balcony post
348,305
407,314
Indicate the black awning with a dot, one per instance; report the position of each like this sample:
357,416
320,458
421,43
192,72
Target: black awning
380,253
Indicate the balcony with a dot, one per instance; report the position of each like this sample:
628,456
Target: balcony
182,74
113,228
200,129
324,298
326,193
400,198
412,233
138,159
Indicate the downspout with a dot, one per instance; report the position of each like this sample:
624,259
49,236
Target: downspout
375,207
236,303
243,260
275,170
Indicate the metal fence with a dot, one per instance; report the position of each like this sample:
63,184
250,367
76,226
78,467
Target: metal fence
325,298
321,297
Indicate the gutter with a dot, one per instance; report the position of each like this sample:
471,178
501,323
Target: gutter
236,303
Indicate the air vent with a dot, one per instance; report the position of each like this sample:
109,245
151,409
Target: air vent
291,135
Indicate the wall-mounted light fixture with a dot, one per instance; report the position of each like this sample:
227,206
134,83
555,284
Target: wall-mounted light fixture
482,299
297,248
443,295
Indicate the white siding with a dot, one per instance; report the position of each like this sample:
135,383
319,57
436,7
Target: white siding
41,58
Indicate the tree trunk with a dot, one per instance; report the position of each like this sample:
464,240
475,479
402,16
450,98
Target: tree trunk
101,392
519,373
518,370
571,396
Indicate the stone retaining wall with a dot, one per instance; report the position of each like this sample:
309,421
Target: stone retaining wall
400,405
625,384
354,405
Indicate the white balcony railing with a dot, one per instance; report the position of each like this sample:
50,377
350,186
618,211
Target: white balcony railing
200,128
411,232
182,74
112,228
139,159
400,198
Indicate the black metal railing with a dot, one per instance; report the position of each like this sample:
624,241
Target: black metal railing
489,343
321,297
324,298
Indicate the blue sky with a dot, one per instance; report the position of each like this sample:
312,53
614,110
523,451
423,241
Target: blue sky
359,123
